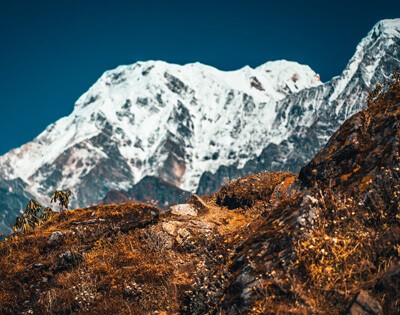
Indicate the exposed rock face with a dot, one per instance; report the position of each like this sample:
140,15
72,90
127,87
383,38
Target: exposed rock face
184,209
362,158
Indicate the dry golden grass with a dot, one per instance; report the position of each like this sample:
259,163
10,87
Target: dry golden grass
108,258
342,253
268,243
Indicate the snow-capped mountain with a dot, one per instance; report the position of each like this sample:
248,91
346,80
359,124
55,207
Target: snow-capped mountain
154,118
194,126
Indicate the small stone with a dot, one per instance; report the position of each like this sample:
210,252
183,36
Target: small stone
169,227
37,266
55,237
184,210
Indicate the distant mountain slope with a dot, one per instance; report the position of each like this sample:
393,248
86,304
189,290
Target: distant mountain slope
152,190
194,126
158,119
14,195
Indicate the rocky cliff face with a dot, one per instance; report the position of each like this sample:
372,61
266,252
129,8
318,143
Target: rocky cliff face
324,242
194,126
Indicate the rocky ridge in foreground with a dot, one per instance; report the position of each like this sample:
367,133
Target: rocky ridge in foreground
324,242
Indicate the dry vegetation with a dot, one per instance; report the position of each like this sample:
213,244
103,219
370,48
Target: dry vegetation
127,258
342,229
246,192
270,243
88,264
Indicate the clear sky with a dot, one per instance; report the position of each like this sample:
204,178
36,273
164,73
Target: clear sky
53,51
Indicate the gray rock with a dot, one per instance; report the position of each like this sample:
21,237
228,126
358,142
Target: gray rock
55,238
365,304
170,227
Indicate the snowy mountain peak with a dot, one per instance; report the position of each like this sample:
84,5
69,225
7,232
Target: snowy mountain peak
384,37
273,79
389,27
288,73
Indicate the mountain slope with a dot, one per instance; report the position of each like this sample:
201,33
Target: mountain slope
152,190
305,120
325,242
330,243
194,126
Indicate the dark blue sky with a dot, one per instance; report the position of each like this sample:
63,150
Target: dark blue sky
53,51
